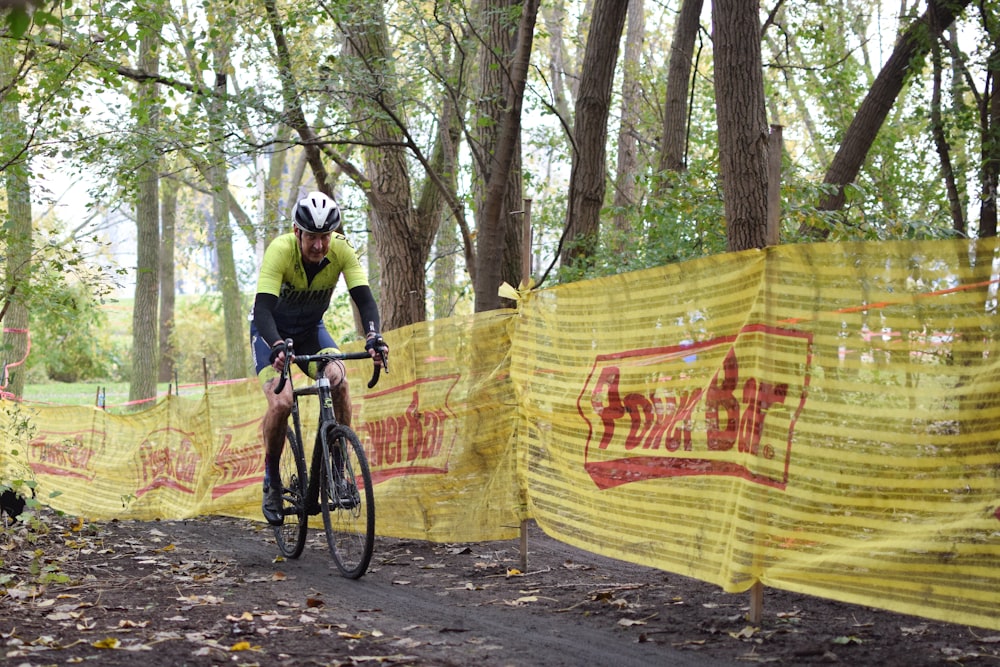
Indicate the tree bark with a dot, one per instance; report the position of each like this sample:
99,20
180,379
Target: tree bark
990,124
742,122
673,146
17,236
294,115
942,146
628,162
144,311
587,174
402,240
234,323
499,160
168,227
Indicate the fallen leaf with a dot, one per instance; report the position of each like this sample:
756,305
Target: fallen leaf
570,565
629,622
107,642
200,599
845,640
514,572
523,600
745,633
241,646
62,616
314,602
279,576
245,616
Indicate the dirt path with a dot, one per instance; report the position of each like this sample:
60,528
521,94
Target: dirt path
211,591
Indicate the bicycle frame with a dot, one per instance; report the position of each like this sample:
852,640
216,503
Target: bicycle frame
337,482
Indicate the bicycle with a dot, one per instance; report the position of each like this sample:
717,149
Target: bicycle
338,484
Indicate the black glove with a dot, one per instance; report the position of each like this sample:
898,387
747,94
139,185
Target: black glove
277,349
375,342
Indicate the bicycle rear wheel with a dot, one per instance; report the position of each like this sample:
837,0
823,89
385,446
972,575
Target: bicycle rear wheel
291,535
347,501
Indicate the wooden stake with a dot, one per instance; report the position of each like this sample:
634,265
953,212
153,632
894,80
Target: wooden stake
756,603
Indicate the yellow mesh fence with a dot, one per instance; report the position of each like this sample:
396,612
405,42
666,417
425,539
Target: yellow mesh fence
440,452
819,418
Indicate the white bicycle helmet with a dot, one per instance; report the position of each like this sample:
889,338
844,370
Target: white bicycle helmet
317,213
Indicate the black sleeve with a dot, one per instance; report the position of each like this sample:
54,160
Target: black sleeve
263,317
368,309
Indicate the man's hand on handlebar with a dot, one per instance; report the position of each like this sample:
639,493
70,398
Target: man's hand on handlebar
378,349
278,356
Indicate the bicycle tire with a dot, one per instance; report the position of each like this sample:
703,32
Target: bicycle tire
291,535
349,523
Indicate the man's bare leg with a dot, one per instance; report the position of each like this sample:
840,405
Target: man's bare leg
275,423
339,392
273,429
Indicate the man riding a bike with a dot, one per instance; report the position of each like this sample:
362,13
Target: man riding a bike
297,278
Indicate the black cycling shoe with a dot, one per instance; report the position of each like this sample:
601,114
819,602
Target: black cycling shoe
272,506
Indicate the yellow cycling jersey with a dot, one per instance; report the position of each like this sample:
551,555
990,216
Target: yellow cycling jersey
301,302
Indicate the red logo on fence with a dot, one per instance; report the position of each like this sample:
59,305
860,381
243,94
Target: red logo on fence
240,458
725,406
64,454
167,458
417,439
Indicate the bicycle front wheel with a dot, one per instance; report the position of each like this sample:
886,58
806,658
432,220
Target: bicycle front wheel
347,501
291,535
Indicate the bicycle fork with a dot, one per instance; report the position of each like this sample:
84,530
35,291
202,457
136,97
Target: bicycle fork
326,419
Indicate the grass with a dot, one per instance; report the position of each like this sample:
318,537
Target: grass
86,393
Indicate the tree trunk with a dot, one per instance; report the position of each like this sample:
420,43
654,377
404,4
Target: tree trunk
990,124
445,160
554,18
277,165
168,227
742,122
625,178
144,317
587,175
234,322
910,49
942,146
402,239
673,147
17,235
498,156
294,114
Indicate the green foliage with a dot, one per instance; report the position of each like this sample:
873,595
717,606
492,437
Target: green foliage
70,339
685,220
198,338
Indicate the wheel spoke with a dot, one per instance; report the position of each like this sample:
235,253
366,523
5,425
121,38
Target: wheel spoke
348,504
